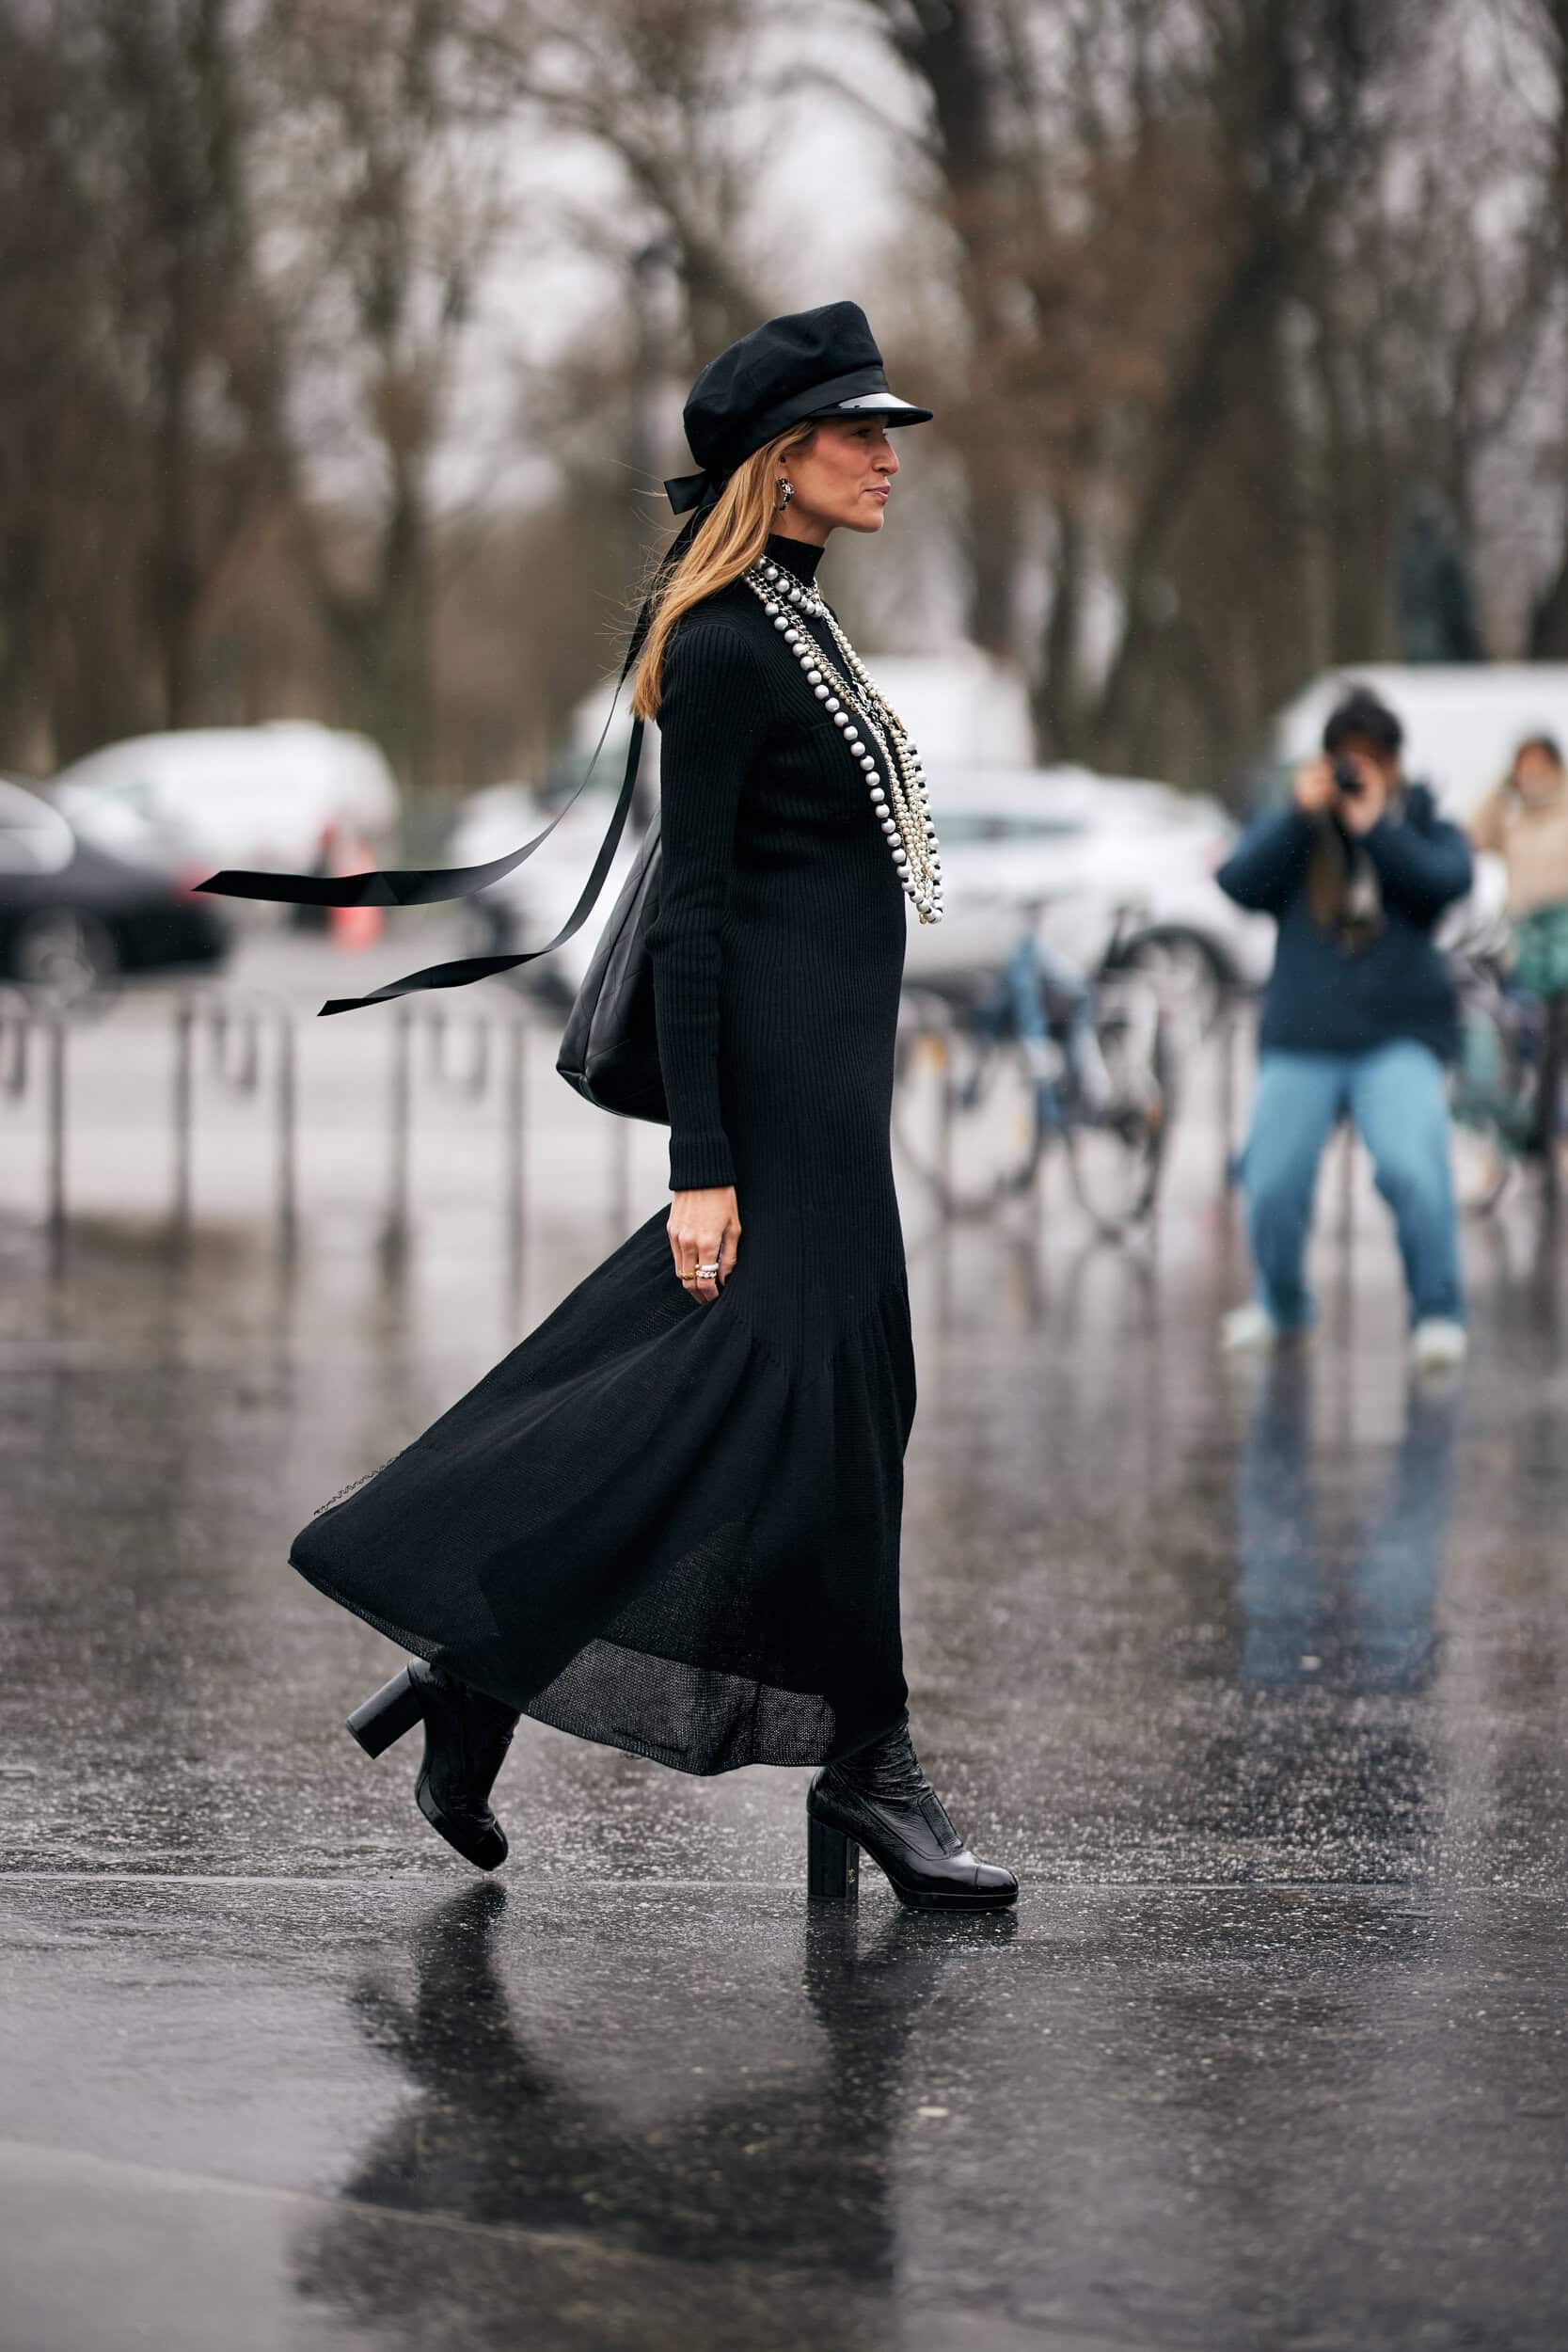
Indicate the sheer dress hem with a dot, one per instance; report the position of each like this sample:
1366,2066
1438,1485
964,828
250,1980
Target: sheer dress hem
551,1706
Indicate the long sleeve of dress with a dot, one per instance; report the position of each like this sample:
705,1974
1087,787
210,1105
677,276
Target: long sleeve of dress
712,720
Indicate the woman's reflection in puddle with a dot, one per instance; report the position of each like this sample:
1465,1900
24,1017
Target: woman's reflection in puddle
783,2163
1332,1751
1318,1608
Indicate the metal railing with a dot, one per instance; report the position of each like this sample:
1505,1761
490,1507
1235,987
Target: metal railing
34,1040
242,1034
243,1046
460,1062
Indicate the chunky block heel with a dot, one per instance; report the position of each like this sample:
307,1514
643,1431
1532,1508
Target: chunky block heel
832,1861
877,1801
393,1710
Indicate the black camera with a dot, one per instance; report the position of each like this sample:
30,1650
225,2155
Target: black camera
1347,779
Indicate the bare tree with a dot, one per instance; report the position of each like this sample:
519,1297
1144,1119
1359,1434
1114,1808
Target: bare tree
1547,23
659,86
1145,201
191,307
142,396
396,197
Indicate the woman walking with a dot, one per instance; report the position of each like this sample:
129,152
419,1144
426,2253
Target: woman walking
670,1518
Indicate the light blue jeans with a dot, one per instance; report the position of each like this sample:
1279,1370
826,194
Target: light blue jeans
1394,1098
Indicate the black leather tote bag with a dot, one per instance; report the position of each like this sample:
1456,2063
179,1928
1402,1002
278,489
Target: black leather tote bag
609,1046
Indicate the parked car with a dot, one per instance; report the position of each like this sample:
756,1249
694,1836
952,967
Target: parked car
73,917
1125,869
261,796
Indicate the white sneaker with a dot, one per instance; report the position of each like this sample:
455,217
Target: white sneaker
1438,1342
1248,1327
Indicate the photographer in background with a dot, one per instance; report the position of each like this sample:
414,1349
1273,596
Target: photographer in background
1358,1019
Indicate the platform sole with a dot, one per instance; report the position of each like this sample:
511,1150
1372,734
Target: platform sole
486,1849
833,1875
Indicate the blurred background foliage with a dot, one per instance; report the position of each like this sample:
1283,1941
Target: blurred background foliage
342,346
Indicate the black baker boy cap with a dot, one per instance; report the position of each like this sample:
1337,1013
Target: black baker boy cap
809,363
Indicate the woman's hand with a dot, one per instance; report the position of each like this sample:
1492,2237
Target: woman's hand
704,1229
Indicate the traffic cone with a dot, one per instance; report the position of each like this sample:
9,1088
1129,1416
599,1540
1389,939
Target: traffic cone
354,926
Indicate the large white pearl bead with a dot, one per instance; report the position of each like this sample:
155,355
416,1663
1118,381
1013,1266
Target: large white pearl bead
821,693
783,622
841,718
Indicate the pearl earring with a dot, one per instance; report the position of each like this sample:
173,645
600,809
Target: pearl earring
786,492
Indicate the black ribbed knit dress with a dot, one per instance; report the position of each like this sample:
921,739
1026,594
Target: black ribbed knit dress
669,1525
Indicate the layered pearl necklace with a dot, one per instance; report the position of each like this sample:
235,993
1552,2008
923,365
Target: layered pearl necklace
890,763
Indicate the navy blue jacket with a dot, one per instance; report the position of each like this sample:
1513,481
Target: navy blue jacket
1324,998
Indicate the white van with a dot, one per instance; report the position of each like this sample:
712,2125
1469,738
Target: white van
258,796
1461,721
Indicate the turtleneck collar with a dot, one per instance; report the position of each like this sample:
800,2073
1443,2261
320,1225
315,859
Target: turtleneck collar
795,555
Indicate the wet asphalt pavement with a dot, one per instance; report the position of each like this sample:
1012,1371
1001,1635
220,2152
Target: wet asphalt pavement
1258,1675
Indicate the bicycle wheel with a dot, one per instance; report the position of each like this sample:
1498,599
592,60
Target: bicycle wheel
1489,1118
1116,1149
966,1109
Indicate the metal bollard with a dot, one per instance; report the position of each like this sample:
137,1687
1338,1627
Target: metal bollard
464,1071
941,1054
236,1029
514,1113
16,1032
401,1107
21,1017
56,1119
287,1099
184,1112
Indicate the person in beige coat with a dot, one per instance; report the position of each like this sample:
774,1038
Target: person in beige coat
1525,822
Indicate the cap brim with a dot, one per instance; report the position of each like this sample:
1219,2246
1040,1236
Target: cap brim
884,404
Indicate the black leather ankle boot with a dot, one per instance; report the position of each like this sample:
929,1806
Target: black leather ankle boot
466,1739
880,1797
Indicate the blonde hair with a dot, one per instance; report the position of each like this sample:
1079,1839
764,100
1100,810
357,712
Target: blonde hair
730,539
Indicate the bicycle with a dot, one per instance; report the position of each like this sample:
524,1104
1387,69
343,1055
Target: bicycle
991,1070
1497,1080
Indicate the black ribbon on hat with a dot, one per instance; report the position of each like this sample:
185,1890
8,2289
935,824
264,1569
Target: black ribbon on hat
420,886
691,489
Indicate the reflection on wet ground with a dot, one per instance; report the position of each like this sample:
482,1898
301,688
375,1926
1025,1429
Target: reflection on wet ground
1259,1673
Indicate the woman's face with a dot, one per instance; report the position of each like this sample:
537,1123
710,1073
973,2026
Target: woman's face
841,477
1537,776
